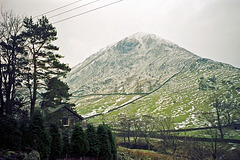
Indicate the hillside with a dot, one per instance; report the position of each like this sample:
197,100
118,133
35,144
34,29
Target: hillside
146,74
135,64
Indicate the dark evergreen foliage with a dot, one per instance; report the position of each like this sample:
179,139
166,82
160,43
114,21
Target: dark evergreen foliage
105,147
56,142
10,137
79,143
56,94
112,142
39,135
25,133
28,60
66,151
44,64
94,146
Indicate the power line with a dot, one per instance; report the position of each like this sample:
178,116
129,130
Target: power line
88,11
58,8
74,8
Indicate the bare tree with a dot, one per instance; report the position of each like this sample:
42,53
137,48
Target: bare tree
136,128
225,112
217,149
11,60
166,132
125,126
213,149
148,126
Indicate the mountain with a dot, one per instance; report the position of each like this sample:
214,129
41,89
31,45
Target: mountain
138,62
146,74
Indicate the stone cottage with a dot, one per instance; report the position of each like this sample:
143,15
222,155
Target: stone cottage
64,117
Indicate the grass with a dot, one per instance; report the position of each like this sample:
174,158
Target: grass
143,154
175,98
185,150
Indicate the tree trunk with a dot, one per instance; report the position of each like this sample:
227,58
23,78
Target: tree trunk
148,144
135,140
214,149
1,92
8,88
128,136
34,96
219,123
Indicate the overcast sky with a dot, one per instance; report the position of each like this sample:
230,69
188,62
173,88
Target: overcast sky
208,28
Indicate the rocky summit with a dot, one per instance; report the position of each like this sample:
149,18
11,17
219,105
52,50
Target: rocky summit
137,63
146,74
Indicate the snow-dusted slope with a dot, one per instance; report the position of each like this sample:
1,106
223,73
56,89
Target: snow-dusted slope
138,63
146,74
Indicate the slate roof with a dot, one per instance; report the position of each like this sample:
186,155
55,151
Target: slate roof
73,112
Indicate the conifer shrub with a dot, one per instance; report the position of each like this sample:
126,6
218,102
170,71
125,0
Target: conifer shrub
40,139
56,142
105,147
25,133
112,142
79,143
66,151
94,146
10,135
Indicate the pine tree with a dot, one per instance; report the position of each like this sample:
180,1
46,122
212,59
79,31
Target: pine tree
79,143
43,62
39,136
94,146
56,142
56,94
105,147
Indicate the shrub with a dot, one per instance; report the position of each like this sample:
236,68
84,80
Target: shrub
66,144
112,142
94,146
79,143
39,136
10,136
25,133
56,143
105,147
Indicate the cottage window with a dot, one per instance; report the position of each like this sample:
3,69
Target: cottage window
65,121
